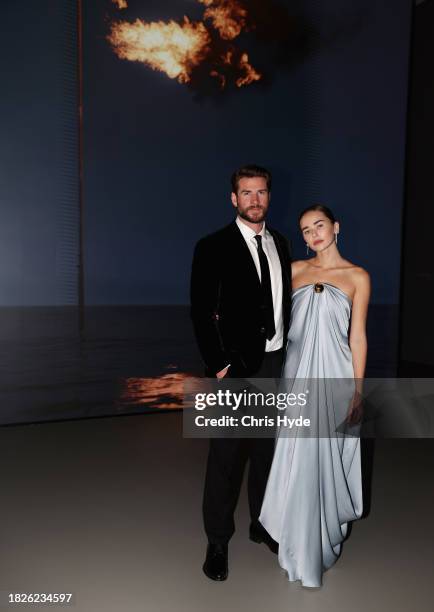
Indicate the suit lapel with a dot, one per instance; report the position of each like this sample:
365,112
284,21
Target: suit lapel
242,255
286,279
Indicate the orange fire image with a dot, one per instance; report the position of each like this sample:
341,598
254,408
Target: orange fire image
121,4
166,391
180,49
227,16
250,73
172,48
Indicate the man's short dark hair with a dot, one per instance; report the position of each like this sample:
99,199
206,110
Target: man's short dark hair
250,171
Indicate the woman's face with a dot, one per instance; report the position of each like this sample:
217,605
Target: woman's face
317,230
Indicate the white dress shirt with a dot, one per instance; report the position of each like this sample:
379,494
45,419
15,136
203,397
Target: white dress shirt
270,251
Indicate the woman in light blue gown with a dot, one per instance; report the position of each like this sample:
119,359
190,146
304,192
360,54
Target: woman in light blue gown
315,489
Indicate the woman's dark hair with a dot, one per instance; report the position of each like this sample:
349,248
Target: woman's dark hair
320,208
250,171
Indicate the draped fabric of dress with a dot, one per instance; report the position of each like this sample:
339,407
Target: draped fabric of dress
315,487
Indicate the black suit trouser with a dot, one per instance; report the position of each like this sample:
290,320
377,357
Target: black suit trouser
227,459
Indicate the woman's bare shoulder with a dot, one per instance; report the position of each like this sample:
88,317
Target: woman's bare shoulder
360,277
297,266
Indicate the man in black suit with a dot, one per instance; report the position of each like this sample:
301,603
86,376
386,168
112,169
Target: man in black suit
240,307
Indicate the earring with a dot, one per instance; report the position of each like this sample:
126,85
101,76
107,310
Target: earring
336,238
307,249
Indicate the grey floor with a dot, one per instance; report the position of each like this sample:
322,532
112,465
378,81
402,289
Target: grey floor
110,510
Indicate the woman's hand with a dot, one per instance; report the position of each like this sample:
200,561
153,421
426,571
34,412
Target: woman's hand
355,411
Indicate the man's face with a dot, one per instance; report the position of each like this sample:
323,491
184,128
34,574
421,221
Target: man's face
252,199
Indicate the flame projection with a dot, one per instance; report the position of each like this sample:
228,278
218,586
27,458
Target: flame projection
166,391
121,4
172,48
250,73
192,49
228,17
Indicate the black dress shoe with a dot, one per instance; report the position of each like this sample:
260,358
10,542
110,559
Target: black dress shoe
262,537
216,562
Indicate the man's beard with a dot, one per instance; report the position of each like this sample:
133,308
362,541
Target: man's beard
244,214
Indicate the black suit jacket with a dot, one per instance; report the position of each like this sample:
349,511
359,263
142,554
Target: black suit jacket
226,301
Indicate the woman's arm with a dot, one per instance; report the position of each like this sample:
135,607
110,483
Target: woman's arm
357,339
296,268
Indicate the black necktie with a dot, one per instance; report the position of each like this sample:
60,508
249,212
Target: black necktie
266,290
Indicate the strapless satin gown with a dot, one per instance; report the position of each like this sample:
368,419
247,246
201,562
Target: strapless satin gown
315,486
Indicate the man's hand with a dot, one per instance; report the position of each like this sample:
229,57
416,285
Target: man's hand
223,372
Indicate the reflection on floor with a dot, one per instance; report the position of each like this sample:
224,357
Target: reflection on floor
110,509
165,391
131,359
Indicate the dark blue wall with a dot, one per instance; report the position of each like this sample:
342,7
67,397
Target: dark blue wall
158,159
38,153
